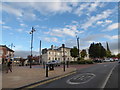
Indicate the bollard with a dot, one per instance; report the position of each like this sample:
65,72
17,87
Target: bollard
64,66
67,64
46,70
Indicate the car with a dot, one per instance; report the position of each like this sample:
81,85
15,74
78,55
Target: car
54,62
107,60
119,61
98,60
111,60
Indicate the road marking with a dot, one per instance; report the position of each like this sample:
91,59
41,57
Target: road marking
33,86
105,65
103,86
82,78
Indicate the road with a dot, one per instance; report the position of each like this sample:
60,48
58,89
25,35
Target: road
96,76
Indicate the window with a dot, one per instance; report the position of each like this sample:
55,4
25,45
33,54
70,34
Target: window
58,53
1,52
49,52
49,58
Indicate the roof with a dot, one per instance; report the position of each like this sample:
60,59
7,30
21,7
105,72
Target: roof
7,48
65,47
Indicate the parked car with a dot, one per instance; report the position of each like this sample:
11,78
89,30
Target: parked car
55,62
98,60
119,61
111,60
108,60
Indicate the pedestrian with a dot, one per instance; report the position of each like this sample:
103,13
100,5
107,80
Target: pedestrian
9,65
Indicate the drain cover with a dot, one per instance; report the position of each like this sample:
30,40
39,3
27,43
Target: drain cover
81,78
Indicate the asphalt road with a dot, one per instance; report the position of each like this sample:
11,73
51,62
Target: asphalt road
114,78
96,76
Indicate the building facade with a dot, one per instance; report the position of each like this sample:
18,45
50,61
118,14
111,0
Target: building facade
56,54
5,52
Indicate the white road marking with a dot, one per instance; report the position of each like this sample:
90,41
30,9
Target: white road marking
105,65
69,82
103,86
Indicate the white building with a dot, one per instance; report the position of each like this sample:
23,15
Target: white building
56,54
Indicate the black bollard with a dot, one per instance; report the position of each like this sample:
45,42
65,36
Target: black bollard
46,70
67,64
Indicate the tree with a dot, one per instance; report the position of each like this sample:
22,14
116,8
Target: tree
83,53
108,52
118,55
74,52
97,50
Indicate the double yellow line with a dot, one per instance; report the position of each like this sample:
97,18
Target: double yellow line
41,83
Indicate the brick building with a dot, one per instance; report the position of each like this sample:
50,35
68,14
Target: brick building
5,52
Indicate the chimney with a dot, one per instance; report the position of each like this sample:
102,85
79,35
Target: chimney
52,47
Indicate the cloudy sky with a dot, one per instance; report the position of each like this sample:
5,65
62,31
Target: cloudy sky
57,23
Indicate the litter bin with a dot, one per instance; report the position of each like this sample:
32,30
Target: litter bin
51,66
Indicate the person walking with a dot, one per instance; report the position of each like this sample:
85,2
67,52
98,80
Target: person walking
9,65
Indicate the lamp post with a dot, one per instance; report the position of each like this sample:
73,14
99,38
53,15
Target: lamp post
33,30
11,49
40,53
78,45
11,45
63,46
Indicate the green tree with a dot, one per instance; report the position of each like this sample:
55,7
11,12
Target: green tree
97,50
74,52
83,53
118,55
108,52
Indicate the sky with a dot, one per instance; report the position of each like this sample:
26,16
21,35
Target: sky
57,23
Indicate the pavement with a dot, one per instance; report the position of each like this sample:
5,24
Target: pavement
23,75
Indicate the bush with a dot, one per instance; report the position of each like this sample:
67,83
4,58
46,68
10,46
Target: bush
89,61
73,62
85,62
82,62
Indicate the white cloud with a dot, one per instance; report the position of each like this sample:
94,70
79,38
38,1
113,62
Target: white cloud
23,25
1,22
69,30
93,6
23,53
112,27
100,22
6,27
87,8
51,39
79,11
104,23
48,7
11,10
29,15
108,21
93,19
20,30
111,37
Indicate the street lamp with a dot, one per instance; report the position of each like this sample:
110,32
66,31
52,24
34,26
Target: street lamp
63,46
78,45
33,30
11,45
